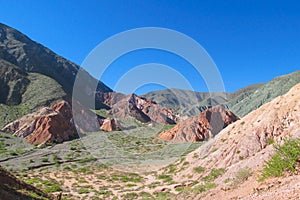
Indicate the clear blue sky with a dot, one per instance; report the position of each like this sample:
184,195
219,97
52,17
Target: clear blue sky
250,41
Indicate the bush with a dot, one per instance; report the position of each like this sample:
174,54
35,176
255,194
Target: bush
83,191
241,176
214,173
44,159
165,178
199,169
285,158
204,187
130,196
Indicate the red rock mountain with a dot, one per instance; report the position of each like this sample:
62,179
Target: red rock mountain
56,124
140,108
49,124
202,127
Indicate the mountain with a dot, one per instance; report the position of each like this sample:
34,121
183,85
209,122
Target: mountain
134,106
241,102
186,103
202,127
13,188
47,125
244,147
264,93
32,76
34,81
30,56
143,110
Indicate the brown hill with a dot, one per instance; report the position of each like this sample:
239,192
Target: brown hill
13,188
47,125
202,127
140,108
245,145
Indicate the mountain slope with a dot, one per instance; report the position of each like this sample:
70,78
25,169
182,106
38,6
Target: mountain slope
245,144
13,188
241,102
32,76
30,56
265,93
186,103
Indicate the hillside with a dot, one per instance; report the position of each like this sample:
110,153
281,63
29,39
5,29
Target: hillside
13,188
32,76
186,103
264,93
245,146
240,102
31,56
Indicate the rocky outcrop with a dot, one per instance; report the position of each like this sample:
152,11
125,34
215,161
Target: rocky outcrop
47,125
143,110
109,125
202,127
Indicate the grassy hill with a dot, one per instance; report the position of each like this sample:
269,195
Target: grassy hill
264,93
40,91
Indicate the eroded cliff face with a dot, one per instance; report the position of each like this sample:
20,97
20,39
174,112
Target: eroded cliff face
202,127
47,125
142,109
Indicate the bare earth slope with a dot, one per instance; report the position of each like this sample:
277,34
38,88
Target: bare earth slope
244,145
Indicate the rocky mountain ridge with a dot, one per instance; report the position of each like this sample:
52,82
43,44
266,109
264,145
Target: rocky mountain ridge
240,102
202,127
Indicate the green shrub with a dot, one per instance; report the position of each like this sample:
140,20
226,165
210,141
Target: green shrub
214,173
199,169
172,168
53,188
83,191
146,196
165,178
241,176
163,196
270,141
130,196
44,159
88,159
284,159
203,188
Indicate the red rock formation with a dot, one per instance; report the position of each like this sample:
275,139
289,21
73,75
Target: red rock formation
46,125
109,125
143,110
202,127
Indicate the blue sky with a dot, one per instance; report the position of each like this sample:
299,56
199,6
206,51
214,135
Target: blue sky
250,41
